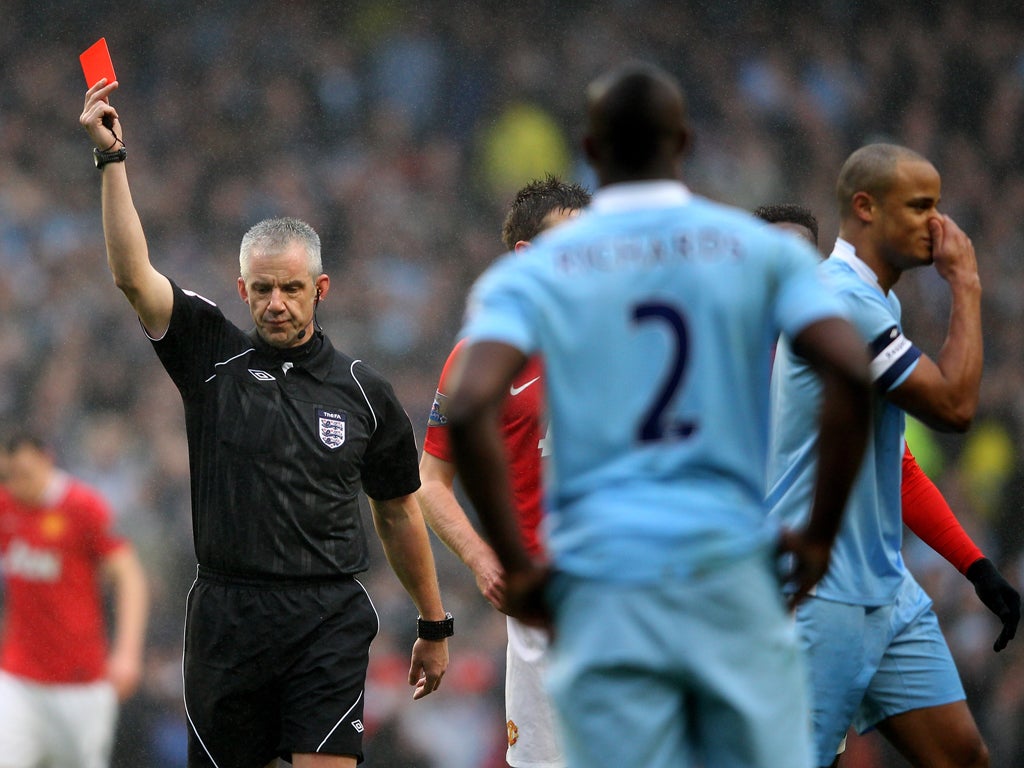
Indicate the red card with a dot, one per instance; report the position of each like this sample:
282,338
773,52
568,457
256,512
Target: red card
96,63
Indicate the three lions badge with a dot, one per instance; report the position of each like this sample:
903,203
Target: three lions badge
331,427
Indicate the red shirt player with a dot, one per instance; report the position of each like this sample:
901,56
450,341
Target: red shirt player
59,682
529,719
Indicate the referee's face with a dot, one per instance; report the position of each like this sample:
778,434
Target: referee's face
281,295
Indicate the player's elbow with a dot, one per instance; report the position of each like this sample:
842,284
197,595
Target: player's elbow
122,283
955,415
123,272
958,420
127,284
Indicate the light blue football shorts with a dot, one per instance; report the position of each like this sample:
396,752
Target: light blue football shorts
870,663
705,670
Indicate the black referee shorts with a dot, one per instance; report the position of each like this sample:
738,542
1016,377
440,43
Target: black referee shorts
272,668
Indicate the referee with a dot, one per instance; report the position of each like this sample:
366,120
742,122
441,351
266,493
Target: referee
283,431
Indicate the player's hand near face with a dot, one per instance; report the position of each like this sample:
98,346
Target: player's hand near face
952,251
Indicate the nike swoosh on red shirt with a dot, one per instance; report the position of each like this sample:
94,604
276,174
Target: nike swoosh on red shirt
514,390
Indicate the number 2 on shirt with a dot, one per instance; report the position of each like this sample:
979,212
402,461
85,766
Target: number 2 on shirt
655,426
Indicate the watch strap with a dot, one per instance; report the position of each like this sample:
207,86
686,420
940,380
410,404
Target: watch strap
435,630
102,157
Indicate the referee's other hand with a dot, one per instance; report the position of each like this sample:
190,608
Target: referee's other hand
429,662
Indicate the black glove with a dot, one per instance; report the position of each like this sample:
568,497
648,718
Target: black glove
998,596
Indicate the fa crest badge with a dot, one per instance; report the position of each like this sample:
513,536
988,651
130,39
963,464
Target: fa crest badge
331,427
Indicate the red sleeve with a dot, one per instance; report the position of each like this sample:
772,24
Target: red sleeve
96,520
927,514
436,441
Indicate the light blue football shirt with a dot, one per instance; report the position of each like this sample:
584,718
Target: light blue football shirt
866,567
655,312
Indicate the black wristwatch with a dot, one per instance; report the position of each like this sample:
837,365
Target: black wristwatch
102,158
435,630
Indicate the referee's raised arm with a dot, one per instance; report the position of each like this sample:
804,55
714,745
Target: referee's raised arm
127,254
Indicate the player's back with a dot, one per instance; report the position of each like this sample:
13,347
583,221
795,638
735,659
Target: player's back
656,325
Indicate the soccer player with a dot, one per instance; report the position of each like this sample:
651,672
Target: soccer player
283,433
925,511
532,742
655,313
792,217
60,684
877,657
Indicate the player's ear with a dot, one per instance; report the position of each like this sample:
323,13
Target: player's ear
683,141
243,292
863,206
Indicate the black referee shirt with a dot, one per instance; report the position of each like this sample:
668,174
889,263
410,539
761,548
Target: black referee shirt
280,442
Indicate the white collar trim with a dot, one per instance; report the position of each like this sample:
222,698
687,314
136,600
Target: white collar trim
56,488
629,196
845,252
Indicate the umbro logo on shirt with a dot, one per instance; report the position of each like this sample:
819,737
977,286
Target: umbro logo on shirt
358,725
261,375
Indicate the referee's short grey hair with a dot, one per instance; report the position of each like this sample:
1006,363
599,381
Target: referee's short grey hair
273,236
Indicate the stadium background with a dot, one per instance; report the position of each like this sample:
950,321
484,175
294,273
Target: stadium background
399,131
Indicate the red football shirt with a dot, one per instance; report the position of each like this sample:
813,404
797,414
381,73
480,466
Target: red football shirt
523,428
53,626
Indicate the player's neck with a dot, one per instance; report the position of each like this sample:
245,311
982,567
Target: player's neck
865,249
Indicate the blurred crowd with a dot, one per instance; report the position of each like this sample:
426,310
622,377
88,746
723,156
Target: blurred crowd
399,130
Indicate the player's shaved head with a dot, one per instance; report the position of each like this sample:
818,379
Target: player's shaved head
636,124
871,169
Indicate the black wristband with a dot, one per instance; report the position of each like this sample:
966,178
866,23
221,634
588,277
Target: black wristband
435,630
101,157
